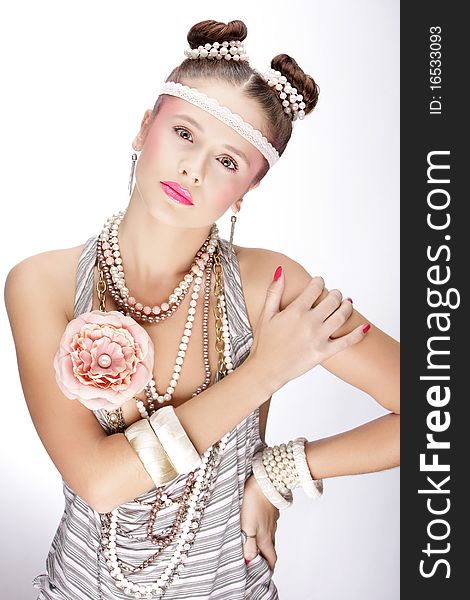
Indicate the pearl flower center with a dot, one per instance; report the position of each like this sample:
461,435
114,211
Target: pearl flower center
104,360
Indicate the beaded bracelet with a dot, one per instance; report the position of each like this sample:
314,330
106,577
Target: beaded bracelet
279,464
280,469
278,500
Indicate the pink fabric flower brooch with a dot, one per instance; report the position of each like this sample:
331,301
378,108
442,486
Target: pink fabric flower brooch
104,359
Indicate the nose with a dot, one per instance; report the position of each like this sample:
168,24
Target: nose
194,177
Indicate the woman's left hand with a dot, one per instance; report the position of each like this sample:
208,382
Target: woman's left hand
258,517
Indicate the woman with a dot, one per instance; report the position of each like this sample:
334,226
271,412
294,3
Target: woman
196,161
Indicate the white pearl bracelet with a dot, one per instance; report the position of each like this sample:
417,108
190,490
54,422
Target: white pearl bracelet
267,486
280,469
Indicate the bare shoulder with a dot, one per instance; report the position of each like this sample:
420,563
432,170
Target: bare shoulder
52,274
257,267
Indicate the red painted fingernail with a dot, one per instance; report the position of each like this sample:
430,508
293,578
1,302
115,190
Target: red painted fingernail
247,562
366,328
277,274
350,300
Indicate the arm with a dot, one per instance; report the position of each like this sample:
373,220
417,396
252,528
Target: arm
205,418
370,447
103,470
373,446
372,366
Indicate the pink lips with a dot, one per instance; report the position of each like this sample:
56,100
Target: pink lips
178,193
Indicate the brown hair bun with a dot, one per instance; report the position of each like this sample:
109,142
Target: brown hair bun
304,83
208,32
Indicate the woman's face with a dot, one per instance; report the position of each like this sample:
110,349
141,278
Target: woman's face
190,147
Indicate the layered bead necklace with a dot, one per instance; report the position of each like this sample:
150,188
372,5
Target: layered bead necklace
109,256
199,483
110,262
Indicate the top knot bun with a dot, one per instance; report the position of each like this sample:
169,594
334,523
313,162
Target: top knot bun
304,83
208,32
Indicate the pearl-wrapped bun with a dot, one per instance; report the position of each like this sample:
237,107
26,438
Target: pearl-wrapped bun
291,101
228,49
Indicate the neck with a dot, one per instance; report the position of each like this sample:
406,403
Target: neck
155,253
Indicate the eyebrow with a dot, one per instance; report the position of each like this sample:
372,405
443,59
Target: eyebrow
227,146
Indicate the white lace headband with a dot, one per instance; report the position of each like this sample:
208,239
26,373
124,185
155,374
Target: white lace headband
224,114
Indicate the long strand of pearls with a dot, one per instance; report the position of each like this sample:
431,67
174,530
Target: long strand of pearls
151,389
204,483
111,263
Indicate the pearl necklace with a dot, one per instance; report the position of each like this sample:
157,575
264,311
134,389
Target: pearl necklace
195,498
151,389
109,257
197,501
111,263
197,493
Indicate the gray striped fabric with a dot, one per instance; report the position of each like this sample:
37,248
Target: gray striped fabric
215,567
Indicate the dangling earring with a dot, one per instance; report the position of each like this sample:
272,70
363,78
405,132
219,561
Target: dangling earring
232,230
131,178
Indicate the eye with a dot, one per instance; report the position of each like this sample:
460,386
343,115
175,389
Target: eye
223,161
177,129
230,161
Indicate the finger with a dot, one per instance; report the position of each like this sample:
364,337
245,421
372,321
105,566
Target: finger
307,297
339,317
343,342
328,305
274,294
269,553
250,548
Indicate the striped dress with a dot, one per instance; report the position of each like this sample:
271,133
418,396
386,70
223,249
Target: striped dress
215,567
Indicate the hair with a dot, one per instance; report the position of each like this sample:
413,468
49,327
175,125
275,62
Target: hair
277,124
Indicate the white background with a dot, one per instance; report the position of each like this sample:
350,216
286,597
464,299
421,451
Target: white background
77,78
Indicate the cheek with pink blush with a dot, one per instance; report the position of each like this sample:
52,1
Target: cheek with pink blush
224,199
154,147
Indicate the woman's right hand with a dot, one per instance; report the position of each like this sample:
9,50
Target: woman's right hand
288,343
